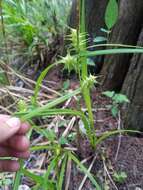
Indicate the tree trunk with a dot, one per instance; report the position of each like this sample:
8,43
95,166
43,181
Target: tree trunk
133,88
126,31
95,11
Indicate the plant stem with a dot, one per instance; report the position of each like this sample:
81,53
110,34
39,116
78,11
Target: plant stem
84,70
5,68
18,175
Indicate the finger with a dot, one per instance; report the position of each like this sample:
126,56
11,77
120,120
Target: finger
23,155
24,128
4,118
8,152
19,143
9,166
9,128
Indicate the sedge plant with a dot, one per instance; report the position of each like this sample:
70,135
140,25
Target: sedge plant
59,154
76,59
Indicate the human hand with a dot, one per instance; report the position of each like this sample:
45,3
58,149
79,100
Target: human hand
13,142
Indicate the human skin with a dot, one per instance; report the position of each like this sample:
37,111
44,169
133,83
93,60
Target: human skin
13,142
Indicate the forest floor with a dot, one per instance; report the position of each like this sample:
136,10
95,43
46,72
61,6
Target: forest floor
117,163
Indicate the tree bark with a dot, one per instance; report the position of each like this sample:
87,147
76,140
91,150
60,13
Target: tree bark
95,11
133,88
126,31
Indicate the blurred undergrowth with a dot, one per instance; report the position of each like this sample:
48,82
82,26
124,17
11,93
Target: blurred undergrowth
29,24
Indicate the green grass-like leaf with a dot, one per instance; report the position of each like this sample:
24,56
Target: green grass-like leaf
83,168
62,173
39,82
111,51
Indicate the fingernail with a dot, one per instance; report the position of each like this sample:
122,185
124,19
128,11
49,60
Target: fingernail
13,122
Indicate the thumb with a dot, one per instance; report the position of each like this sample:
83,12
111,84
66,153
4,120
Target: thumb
9,128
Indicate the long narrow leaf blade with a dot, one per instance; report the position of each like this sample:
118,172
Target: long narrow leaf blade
111,51
85,171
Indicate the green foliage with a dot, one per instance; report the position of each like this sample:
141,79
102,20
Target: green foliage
5,182
99,39
63,141
120,177
120,98
109,94
3,78
117,99
111,14
34,22
66,85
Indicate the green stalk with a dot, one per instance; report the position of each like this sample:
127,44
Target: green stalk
82,30
5,68
18,175
84,70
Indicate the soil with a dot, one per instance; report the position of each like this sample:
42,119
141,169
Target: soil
129,160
